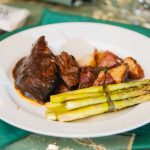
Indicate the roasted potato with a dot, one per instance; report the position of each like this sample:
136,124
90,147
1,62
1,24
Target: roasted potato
109,60
120,73
114,75
135,70
104,78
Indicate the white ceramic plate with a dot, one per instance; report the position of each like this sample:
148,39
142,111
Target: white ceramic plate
78,39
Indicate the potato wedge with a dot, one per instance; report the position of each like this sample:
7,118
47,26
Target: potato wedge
115,75
135,70
109,60
120,73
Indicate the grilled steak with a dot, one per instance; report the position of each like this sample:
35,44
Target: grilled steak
35,75
88,76
61,88
68,69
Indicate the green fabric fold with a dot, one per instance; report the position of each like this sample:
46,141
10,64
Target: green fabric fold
9,134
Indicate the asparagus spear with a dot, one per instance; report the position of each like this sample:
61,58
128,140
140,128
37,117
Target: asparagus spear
99,89
116,95
51,116
68,97
50,105
58,109
100,108
51,112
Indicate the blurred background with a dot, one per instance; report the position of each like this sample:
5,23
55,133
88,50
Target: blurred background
135,12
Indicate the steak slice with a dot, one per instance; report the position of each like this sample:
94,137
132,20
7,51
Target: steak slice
88,76
36,75
68,69
61,88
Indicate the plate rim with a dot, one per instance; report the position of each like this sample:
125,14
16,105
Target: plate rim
63,23
72,136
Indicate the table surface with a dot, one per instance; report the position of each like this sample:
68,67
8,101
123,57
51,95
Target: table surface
95,10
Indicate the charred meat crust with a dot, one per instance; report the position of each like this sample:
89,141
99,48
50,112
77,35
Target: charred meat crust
87,76
68,69
61,88
35,75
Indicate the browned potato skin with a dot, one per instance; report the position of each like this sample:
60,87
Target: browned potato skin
104,78
109,60
135,70
115,75
119,73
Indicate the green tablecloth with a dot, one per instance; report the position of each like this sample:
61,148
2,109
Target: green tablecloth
137,139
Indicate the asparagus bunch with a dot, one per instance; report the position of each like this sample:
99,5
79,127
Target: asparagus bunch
91,101
92,91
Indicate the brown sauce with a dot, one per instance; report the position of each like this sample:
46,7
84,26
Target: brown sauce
35,75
